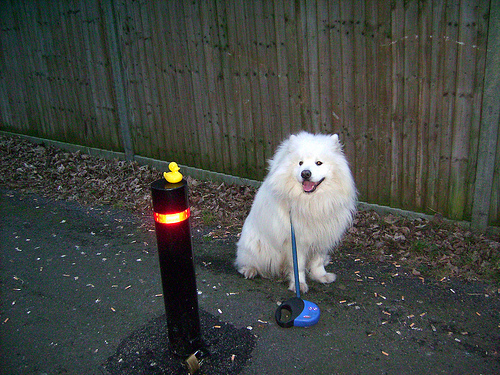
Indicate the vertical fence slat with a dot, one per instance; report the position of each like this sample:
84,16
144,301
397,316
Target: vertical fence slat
121,98
447,101
281,22
304,88
487,171
478,44
240,74
149,77
461,128
325,94
335,65
222,68
311,63
165,134
183,88
425,62
410,103
347,76
195,57
292,27
370,32
254,29
360,99
228,60
383,119
398,21
435,96
266,70
40,74
27,97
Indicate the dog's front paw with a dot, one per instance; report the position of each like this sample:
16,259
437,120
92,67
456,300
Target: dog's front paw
304,288
327,278
248,271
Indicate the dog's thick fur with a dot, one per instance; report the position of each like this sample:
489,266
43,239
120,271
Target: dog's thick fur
309,178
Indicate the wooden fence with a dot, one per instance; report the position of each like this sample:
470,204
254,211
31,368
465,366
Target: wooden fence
411,87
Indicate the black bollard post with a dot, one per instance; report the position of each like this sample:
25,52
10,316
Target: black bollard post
173,234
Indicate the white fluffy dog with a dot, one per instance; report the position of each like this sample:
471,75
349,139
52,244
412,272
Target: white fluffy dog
309,179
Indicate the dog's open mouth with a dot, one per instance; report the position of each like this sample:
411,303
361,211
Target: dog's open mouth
310,186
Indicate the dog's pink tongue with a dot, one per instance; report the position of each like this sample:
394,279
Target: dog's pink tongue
308,185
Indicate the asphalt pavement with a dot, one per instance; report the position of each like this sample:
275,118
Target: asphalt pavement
81,294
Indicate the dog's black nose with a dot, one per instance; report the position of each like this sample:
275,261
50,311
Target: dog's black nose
306,174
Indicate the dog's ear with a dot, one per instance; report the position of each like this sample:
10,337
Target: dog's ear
337,146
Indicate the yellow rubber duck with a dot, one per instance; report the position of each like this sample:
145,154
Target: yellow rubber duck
174,176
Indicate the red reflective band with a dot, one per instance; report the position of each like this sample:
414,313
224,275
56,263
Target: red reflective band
172,218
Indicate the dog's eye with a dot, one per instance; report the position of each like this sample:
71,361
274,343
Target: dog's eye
319,162
301,162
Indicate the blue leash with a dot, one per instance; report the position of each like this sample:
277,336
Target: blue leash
295,261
